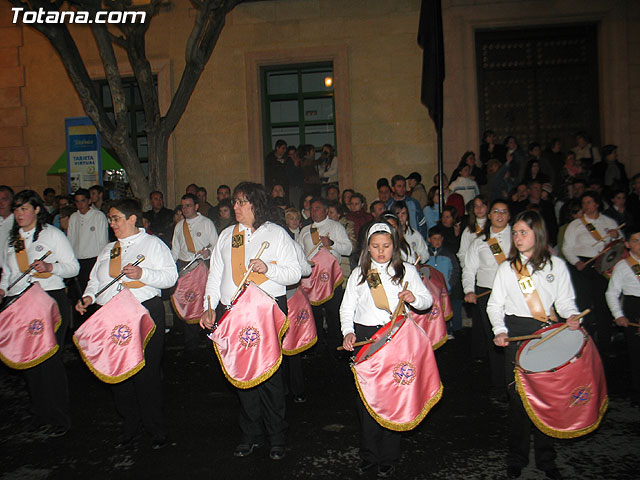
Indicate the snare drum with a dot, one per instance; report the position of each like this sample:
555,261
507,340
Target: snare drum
562,383
614,252
397,376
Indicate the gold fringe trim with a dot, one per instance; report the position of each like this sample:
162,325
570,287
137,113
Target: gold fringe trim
189,321
399,427
448,317
437,345
31,363
301,349
318,303
265,376
119,378
552,432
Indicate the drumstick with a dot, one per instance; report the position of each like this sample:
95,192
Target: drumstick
417,262
608,234
209,306
523,337
106,287
483,294
358,344
399,309
596,257
558,330
28,271
264,246
313,250
634,324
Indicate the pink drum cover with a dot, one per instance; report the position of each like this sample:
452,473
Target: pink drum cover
302,333
437,278
400,382
248,338
188,297
325,277
433,321
112,341
570,401
28,329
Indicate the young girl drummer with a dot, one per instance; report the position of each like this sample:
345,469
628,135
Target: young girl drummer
513,311
361,315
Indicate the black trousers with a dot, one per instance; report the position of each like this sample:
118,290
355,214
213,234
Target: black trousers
590,288
520,426
262,408
377,444
331,309
482,340
78,287
47,382
294,374
631,306
139,398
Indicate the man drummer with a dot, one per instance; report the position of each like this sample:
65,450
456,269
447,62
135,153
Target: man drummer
139,398
262,408
584,238
515,308
625,281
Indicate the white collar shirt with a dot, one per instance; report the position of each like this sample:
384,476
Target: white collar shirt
623,282
336,232
88,233
480,264
578,242
203,233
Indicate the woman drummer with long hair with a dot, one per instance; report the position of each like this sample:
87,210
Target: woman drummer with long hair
525,291
360,317
30,238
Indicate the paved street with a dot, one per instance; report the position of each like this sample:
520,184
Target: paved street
462,437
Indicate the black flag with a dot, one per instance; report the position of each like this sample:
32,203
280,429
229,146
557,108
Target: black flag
431,40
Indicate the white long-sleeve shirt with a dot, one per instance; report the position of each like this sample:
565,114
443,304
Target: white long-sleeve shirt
6,224
158,268
480,264
65,264
418,246
578,242
203,232
623,282
330,174
466,238
358,306
285,271
88,233
337,233
553,284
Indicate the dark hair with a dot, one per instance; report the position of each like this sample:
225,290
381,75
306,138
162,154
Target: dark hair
32,198
321,200
631,230
573,206
373,204
303,150
96,188
584,135
292,148
202,189
83,192
533,145
129,206
66,211
415,176
363,200
472,216
158,192
466,155
351,191
222,187
337,205
280,143
486,133
509,137
617,191
431,195
396,207
593,195
381,181
48,190
402,243
225,202
190,196
541,253
257,197
486,231
436,230
397,178
396,258
333,187
452,210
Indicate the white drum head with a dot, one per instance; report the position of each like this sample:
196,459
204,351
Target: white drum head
553,353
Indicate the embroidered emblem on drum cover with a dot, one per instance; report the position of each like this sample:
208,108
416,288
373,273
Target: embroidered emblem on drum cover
550,278
249,337
324,277
404,373
199,234
121,335
36,327
435,311
190,296
93,229
580,396
303,317
39,248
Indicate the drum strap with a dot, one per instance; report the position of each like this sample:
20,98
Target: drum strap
591,228
188,239
635,267
377,290
115,267
315,236
478,229
237,260
495,248
530,294
23,260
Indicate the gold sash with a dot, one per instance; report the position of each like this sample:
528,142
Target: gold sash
315,236
115,267
188,239
635,267
478,229
237,260
23,260
377,290
494,246
591,228
530,294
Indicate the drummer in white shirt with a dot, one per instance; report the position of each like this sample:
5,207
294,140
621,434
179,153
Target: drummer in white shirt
417,245
47,381
139,398
581,243
511,315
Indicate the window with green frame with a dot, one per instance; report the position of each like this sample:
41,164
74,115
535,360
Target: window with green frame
298,105
135,115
